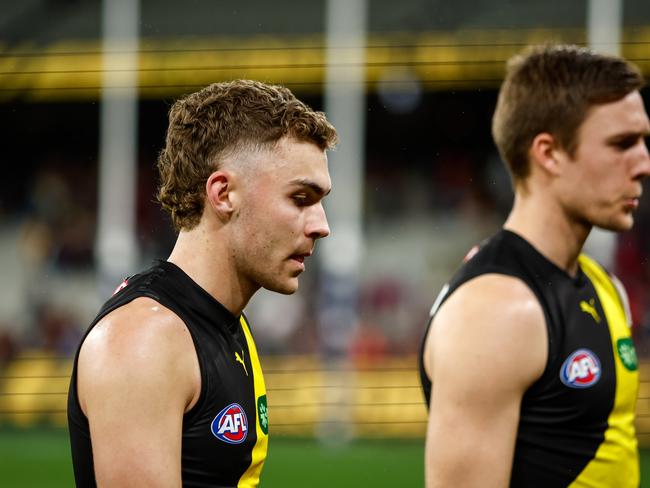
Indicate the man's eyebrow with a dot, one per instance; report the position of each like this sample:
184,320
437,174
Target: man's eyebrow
629,135
315,187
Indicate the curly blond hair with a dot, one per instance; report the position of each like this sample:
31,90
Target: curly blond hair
218,120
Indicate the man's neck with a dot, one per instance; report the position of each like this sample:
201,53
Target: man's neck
205,259
547,227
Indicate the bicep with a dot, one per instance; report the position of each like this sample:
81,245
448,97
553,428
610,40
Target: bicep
470,436
134,396
135,432
484,352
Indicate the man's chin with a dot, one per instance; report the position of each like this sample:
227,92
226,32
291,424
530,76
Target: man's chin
619,225
287,288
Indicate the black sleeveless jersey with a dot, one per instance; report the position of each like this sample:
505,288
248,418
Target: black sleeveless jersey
225,435
576,425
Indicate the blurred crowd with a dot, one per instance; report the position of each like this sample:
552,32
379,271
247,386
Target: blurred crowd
420,220
632,266
48,241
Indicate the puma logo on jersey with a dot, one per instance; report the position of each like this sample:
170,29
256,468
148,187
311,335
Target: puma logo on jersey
590,308
240,359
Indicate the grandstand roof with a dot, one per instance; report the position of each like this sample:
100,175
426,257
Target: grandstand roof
52,48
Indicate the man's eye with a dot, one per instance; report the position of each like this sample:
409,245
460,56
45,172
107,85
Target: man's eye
626,143
300,200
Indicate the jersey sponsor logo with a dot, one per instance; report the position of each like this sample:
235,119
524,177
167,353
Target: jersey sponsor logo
581,369
627,353
230,425
263,414
590,308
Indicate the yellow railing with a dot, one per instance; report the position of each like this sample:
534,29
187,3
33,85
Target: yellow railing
306,396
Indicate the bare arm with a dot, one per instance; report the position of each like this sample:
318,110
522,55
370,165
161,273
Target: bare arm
487,345
137,375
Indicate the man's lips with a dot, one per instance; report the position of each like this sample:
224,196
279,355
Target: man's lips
300,257
631,203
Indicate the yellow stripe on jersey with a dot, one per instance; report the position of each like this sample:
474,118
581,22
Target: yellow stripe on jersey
251,478
616,462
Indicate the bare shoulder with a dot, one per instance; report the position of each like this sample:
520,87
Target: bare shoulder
497,295
495,319
141,321
140,344
486,346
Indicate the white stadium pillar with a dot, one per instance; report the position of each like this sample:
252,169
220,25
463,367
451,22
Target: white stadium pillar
604,27
116,245
345,106
340,254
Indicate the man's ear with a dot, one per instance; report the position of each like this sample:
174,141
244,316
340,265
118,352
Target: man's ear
545,154
218,189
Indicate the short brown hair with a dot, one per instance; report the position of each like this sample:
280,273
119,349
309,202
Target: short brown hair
222,118
550,88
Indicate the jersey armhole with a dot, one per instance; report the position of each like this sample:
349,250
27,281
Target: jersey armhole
190,416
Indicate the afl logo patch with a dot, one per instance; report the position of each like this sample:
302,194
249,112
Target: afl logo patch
581,369
230,425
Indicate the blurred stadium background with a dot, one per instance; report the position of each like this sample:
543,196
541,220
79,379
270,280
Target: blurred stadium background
84,91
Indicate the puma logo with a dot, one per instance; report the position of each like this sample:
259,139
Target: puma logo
240,359
590,308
